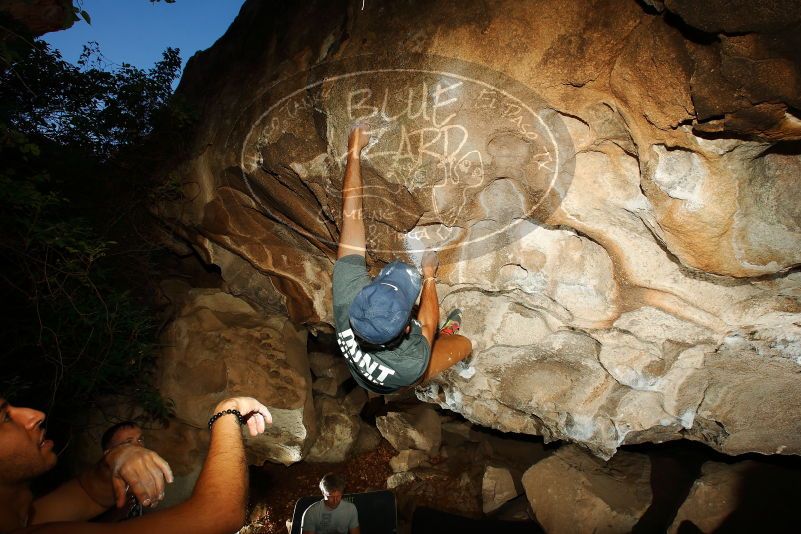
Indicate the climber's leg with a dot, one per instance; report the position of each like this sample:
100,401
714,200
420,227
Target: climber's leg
449,347
447,351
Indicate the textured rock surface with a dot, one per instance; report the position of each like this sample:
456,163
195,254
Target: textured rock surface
399,479
497,487
475,470
713,497
407,460
744,497
573,492
615,197
368,439
324,365
325,386
219,347
355,401
337,431
419,428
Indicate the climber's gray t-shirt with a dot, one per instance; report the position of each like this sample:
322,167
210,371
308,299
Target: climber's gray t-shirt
382,371
320,519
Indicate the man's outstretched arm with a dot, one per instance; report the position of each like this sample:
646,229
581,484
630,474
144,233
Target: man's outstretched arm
352,239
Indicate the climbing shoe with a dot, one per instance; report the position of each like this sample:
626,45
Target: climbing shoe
452,324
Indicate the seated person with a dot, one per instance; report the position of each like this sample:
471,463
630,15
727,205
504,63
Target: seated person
332,515
217,504
124,432
118,434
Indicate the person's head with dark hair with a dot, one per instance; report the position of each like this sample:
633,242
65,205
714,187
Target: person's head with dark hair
123,432
332,486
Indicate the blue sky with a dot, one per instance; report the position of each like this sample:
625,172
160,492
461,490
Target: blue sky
138,31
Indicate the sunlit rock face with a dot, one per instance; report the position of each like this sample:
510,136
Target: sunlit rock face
613,187
218,347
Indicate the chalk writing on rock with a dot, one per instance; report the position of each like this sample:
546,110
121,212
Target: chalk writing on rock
442,132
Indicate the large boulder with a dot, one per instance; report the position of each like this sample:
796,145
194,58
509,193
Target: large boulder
419,428
406,460
615,198
497,487
337,431
219,346
747,496
573,492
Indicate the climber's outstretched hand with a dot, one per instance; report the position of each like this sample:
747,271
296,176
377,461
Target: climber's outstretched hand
358,139
352,237
430,263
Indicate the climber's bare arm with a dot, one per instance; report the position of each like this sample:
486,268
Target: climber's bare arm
446,350
428,315
352,238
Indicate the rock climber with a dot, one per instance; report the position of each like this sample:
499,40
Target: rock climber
387,349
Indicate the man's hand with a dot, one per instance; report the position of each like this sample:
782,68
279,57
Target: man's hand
256,414
358,139
430,263
139,470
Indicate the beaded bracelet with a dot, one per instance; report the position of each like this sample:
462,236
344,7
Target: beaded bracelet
427,278
217,415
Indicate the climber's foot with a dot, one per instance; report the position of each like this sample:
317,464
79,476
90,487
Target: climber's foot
452,324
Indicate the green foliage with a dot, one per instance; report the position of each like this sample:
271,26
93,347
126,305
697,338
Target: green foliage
78,12
78,156
86,107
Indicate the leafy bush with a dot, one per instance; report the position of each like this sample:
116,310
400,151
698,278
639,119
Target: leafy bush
78,159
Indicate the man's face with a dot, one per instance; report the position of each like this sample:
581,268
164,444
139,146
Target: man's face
333,498
24,451
131,434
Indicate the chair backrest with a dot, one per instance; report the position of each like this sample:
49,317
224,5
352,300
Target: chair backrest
377,511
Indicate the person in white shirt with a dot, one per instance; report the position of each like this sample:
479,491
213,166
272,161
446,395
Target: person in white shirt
331,515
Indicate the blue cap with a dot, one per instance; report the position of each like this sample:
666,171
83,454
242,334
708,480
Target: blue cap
381,310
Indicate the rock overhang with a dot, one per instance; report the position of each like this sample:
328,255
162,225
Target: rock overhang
643,289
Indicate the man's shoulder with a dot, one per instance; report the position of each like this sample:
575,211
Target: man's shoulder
415,342
350,269
315,505
312,511
350,261
350,276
